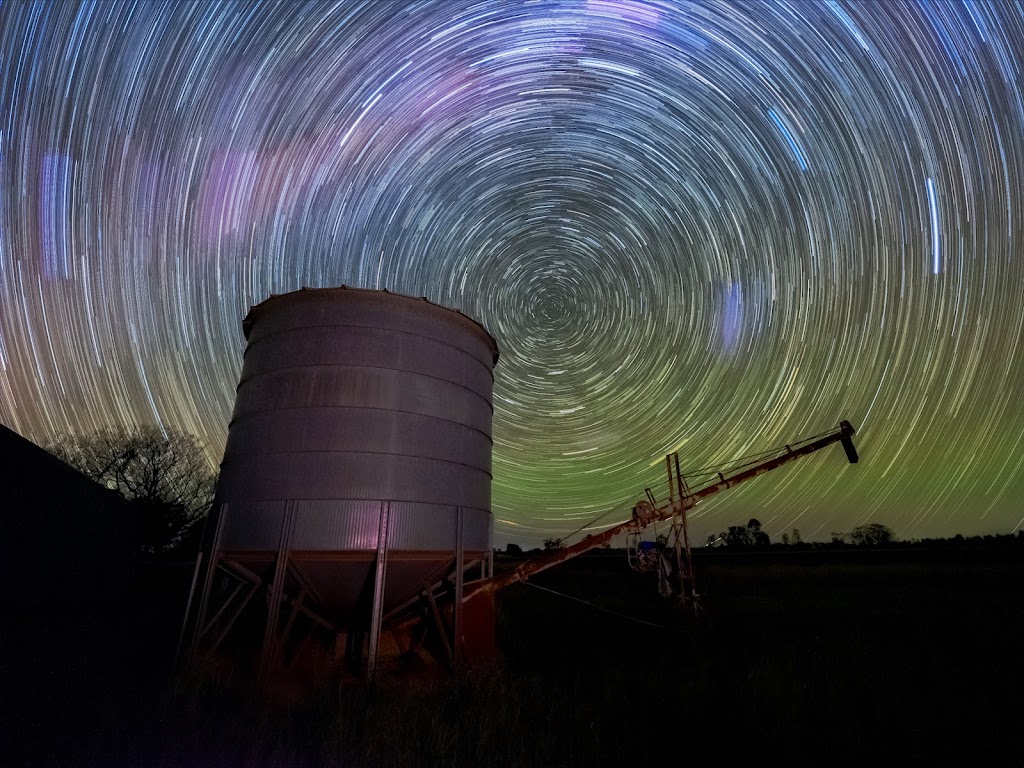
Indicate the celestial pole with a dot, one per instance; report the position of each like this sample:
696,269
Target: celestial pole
713,227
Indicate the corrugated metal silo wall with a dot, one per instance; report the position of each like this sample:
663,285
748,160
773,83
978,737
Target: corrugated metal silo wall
349,398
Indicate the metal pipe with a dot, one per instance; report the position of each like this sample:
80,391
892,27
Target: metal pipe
671,489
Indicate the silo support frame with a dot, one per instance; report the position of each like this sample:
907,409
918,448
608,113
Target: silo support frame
303,607
452,585
460,578
442,633
270,634
296,608
299,605
225,612
488,571
434,583
223,607
211,571
234,617
205,626
188,606
379,582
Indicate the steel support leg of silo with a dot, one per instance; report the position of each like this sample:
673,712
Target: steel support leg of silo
490,545
211,571
253,589
188,606
244,577
442,633
377,612
223,607
296,608
276,589
460,577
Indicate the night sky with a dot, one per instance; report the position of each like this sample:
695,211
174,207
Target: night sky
708,226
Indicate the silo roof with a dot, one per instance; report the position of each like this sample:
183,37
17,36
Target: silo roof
279,299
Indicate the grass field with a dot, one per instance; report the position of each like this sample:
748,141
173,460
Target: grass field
815,658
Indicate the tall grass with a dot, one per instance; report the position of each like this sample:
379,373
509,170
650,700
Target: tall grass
482,716
822,665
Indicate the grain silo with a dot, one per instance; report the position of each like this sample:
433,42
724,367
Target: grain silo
356,481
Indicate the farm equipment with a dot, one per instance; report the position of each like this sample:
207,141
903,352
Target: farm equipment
671,557
466,630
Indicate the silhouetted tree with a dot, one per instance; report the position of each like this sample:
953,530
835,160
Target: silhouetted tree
513,549
796,535
166,474
750,535
755,536
838,537
552,543
785,539
871,535
736,536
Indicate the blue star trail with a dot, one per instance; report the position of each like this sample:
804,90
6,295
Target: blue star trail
712,226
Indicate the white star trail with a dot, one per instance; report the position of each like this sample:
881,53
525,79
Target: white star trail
718,226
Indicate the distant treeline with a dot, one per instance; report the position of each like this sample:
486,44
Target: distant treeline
870,535
874,535
1002,541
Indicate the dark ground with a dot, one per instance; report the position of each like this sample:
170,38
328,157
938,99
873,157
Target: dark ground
814,657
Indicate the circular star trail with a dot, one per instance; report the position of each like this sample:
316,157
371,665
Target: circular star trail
713,227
